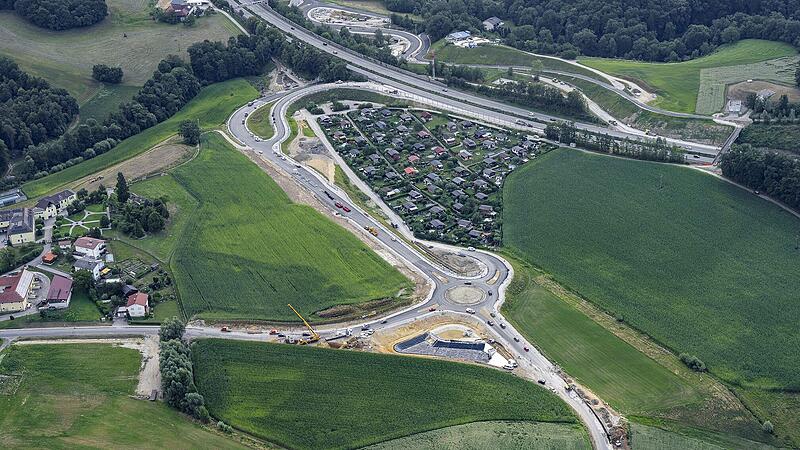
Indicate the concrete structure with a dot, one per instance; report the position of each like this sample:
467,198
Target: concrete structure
53,205
138,305
60,293
19,224
94,266
90,247
15,290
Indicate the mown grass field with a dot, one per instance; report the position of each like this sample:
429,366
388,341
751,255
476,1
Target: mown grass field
646,437
248,250
127,38
212,107
305,397
677,84
77,396
702,266
259,122
81,310
494,435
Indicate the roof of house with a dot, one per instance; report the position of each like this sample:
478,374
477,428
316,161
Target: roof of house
495,21
60,289
88,242
48,257
14,288
21,221
54,199
86,263
139,298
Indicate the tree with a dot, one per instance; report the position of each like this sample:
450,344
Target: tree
767,427
190,130
83,280
104,222
123,194
189,21
797,75
171,329
155,222
106,74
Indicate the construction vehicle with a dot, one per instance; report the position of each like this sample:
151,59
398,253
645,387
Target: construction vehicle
371,230
314,336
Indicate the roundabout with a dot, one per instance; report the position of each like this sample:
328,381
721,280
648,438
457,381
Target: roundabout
465,295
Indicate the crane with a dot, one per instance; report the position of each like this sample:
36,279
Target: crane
314,335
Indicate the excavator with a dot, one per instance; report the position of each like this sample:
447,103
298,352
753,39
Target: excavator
314,335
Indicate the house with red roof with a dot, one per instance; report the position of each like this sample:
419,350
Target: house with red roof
90,247
59,294
138,305
15,291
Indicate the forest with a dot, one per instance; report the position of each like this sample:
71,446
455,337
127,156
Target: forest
668,30
774,174
31,111
59,14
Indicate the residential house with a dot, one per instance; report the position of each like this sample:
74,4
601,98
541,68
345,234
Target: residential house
436,210
439,150
394,154
436,224
138,305
59,294
458,206
448,138
413,159
386,113
406,117
18,224
90,247
464,223
415,195
469,143
434,178
402,129
381,125
49,258
422,134
457,36
481,196
458,181
466,124
486,210
426,116
94,266
465,155
436,164
489,173
418,147
410,171
452,127
410,207
492,23
480,184
474,234
53,205
15,291
458,193
397,142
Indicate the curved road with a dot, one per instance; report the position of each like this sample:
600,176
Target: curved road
492,282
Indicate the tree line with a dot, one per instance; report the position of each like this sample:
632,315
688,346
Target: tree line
653,30
775,174
177,372
59,14
135,218
31,111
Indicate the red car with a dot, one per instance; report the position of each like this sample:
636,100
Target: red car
432,308
345,208
338,205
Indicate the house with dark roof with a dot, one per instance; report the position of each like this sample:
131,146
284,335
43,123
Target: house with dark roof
93,266
59,294
415,195
19,225
464,223
458,206
436,210
492,23
486,210
481,196
410,207
436,224
469,143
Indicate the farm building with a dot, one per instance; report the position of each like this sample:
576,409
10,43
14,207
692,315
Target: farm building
15,291
90,247
138,305
60,293
53,205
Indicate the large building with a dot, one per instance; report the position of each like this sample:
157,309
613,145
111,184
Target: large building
14,291
90,247
60,293
19,225
53,205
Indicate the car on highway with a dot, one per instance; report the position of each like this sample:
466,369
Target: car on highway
325,44
493,314
490,293
526,349
345,208
384,321
542,382
471,249
502,325
225,330
432,308
516,339
470,311
490,323
335,52
338,205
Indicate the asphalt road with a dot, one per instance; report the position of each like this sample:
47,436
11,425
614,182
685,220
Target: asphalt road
422,86
492,281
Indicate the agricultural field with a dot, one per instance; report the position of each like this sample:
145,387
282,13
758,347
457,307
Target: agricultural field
706,131
306,397
68,396
729,298
212,107
127,38
247,250
646,437
495,435
678,84
639,382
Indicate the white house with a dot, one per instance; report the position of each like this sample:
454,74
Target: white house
92,265
54,205
138,305
90,247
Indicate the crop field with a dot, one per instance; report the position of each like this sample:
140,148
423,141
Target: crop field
77,396
305,397
212,107
712,275
780,408
678,84
128,38
495,435
248,250
652,438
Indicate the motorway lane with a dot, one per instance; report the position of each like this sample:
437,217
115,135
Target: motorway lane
495,280
402,79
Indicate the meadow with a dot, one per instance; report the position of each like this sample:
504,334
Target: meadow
646,437
127,38
259,122
495,435
211,107
700,265
306,397
248,250
677,84
77,396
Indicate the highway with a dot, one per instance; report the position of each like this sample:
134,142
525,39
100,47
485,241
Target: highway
422,86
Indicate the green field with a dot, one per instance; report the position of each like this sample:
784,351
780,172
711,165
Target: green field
494,435
212,106
259,122
81,310
248,250
77,396
645,437
128,38
677,84
106,100
305,397
639,240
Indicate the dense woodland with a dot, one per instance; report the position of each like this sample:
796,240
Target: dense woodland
653,30
59,14
31,111
774,174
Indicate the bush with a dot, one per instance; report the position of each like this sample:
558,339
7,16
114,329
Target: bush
693,362
767,427
102,72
